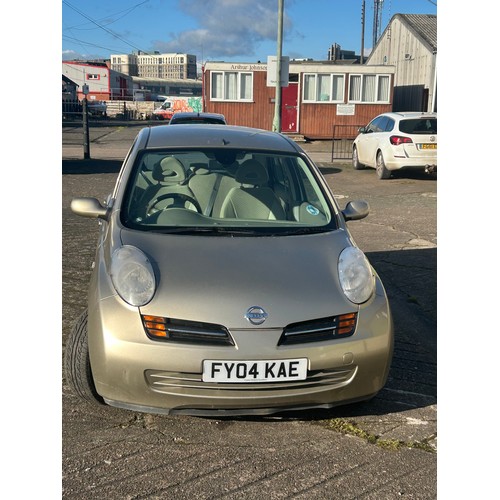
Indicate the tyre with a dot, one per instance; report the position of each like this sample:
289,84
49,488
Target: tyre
382,171
77,362
355,160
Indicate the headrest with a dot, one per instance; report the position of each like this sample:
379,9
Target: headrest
252,172
199,168
169,171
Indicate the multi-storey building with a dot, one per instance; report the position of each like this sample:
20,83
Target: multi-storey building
155,65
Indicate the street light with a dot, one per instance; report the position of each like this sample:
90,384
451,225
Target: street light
277,102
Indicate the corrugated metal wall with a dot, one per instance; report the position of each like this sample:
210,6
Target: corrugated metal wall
414,63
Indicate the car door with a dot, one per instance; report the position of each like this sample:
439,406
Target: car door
368,141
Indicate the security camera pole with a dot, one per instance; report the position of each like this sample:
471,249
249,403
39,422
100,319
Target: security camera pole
277,102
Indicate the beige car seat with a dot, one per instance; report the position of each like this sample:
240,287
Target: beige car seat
253,199
211,183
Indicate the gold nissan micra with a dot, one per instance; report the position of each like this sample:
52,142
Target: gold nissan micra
226,282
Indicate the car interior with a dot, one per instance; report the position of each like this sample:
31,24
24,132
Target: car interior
223,187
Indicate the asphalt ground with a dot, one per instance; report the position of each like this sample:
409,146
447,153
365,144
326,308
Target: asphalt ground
384,448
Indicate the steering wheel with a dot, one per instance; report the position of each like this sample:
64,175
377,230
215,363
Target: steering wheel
185,198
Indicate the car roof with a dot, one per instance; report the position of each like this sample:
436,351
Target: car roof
210,136
409,114
187,114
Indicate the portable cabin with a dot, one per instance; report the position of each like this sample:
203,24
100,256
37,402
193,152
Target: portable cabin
319,95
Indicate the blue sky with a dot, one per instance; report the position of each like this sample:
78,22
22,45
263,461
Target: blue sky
228,30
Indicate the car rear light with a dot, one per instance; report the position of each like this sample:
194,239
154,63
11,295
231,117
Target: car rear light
396,140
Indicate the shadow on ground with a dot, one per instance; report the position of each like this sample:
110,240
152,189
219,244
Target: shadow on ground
329,170
91,166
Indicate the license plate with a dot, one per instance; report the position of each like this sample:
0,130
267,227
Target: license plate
428,146
281,370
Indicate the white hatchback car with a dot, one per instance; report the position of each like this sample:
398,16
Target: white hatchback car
394,141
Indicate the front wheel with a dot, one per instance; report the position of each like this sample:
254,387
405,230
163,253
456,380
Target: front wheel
77,362
355,160
382,171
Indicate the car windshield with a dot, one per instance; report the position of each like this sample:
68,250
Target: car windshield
222,191
198,120
419,126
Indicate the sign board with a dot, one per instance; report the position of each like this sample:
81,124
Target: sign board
271,71
346,109
85,89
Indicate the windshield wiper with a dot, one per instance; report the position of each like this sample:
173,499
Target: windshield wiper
216,230
184,230
240,231
304,230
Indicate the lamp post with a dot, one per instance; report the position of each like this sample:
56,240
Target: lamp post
362,58
277,102
85,116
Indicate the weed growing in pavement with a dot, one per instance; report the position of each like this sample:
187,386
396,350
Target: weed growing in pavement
352,429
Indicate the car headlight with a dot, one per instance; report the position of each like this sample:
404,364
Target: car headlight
132,275
355,274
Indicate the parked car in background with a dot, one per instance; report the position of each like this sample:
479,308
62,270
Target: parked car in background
226,281
183,118
395,141
97,108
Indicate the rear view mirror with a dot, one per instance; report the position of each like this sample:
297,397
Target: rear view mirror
356,210
88,207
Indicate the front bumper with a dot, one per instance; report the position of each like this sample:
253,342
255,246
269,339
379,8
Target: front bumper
131,371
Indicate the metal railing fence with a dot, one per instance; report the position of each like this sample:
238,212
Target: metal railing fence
342,137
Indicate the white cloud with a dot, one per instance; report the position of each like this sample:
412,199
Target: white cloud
227,27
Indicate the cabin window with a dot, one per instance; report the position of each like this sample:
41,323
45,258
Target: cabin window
231,86
369,88
323,88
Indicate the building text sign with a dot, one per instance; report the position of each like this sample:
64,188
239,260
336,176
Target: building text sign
248,67
346,109
271,71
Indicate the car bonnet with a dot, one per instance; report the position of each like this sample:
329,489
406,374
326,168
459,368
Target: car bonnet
216,279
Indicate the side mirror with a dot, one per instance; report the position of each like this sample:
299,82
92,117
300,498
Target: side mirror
356,210
362,130
89,207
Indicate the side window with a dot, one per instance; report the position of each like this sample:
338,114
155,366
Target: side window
369,127
374,126
382,124
389,126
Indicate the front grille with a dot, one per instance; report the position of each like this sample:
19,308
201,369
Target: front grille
319,330
193,332
191,383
